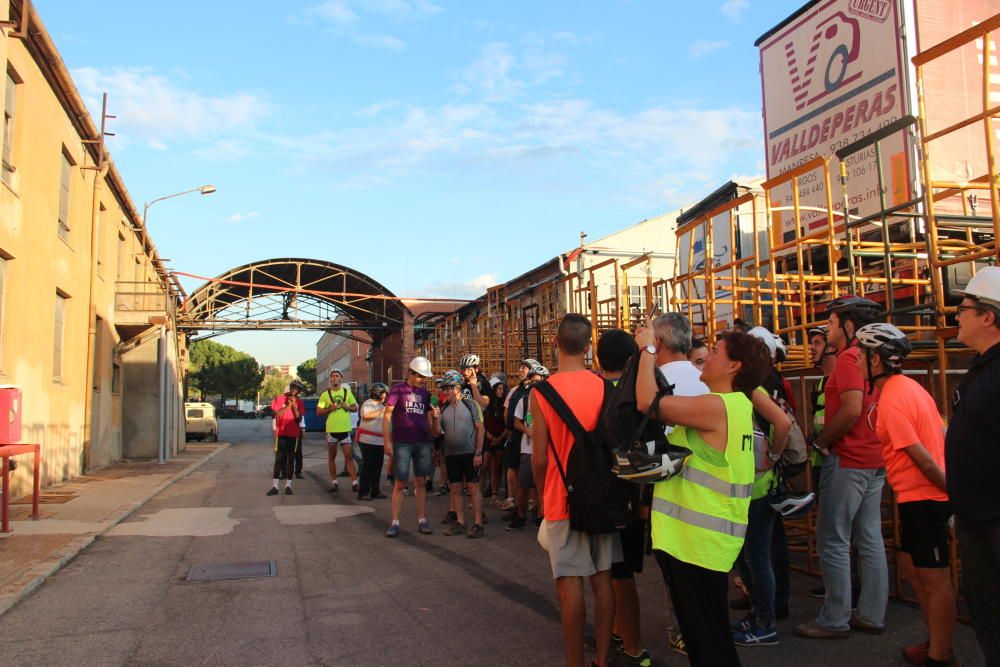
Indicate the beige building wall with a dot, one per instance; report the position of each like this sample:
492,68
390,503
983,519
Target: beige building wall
63,315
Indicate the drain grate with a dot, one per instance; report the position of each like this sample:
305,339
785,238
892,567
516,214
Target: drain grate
219,571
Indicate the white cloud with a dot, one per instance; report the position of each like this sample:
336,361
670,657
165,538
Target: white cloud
381,42
704,46
157,111
733,9
373,110
490,76
241,217
334,12
400,10
469,289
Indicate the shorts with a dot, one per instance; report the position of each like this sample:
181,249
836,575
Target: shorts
923,532
460,468
525,480
513,452
419,453
492,449
633,541
343,439
573,553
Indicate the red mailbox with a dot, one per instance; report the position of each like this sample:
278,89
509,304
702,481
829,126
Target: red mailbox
10,414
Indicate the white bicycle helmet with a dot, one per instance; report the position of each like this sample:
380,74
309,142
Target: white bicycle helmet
792,505
886,341
468,360
539,370
768,338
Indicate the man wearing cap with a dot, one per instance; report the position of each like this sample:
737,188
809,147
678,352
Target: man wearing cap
406,426
972,458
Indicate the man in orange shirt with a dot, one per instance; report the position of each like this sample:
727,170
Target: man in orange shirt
573,554
908,425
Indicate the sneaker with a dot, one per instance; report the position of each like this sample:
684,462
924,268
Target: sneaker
916,655
626,659
443,491
378,495
298,475
475,531
334,486
814,630
818,592
743,624
455,528
531,505
679,646
364,496
273,491
507,504
288,491
355,486
864,626
515,524
617,643
449,518
638,464
510,514
756,636
390,480
392,530
424,527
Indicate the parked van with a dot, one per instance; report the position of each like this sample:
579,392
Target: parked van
201,422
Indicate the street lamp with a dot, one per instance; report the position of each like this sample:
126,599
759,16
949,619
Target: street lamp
166,404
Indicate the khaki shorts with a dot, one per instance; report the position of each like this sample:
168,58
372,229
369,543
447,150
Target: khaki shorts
573,553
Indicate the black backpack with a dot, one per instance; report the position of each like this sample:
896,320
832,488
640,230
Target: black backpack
598,501
624,424
518,392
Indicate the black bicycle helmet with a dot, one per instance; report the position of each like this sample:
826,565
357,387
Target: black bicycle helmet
861,310
378,390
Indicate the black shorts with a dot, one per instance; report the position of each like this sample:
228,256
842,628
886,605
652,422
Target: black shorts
514,452
460,469
633,537
498,446
923,532
339,438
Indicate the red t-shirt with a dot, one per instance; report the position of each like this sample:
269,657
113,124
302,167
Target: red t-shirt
583,392
859,447
907,415
287,424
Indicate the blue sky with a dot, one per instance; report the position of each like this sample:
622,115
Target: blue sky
437,146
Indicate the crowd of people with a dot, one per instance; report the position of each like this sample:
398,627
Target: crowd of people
711,503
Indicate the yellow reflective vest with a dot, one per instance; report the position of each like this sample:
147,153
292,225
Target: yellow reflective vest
700,516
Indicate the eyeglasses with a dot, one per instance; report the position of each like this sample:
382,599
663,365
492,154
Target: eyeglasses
959,309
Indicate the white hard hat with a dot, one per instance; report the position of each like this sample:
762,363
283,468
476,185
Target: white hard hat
984,286
421,366
766,336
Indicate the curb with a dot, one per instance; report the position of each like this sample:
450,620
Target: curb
36,576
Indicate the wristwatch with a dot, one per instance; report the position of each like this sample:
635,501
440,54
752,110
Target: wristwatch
650,348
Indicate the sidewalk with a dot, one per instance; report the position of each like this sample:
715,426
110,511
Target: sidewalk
76,512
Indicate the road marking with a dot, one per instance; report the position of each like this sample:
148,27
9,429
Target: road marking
305,515
181,522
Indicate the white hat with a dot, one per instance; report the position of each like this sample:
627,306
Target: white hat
421,366
766,336
984,286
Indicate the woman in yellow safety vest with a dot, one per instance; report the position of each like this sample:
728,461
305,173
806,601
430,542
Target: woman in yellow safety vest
699,517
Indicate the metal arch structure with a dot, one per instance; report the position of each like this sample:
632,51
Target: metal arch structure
290,294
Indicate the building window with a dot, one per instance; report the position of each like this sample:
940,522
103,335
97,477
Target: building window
9,107
65,175
58,336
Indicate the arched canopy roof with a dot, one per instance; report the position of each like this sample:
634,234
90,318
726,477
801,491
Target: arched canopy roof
292,293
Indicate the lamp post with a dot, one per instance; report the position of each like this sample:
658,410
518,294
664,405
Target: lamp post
161,361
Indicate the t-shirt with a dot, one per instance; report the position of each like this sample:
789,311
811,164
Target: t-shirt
458,424
522,411
338,421
286,423
484,388
859,447
686,378
972,446
513,397
583,392
907,415
409,413
370,426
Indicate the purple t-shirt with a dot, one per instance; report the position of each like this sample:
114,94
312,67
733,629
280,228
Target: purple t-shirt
409,413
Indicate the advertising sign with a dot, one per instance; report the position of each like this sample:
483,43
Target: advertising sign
831,76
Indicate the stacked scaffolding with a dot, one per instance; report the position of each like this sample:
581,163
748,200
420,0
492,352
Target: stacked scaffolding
911,256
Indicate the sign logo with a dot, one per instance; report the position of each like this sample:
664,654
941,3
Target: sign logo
876,10
835,44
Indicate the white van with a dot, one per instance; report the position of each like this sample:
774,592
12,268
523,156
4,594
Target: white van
200,422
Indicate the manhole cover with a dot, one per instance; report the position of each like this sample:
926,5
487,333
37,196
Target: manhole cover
217,571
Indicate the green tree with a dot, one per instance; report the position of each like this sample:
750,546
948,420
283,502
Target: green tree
274,383
307,373
221,370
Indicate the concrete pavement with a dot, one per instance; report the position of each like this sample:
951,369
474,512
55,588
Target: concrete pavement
343,593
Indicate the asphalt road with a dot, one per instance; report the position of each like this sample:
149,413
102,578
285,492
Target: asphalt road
343,593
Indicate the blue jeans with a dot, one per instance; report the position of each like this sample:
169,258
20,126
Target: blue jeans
418,452
755,561
851,505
